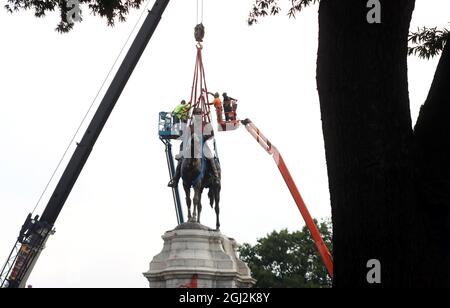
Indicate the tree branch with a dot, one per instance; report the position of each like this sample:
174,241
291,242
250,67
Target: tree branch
429,42
263,8
112,10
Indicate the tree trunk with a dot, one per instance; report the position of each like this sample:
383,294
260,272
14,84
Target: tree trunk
433,170
363,91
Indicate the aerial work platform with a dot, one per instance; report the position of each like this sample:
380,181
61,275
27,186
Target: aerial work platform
167,129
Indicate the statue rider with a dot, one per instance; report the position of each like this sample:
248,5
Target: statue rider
207,153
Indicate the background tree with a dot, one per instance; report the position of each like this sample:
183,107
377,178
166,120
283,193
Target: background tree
389,184
112,10
426,42
288,260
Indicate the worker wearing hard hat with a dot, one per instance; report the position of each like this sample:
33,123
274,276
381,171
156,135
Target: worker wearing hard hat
228,107
218,104
181,112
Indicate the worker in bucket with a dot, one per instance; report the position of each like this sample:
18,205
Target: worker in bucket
181,112
218,105
229,107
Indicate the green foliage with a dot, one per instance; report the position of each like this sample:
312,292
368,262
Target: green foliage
429,42
288,260
112,10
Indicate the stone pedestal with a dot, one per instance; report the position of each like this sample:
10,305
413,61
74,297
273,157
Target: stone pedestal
193,249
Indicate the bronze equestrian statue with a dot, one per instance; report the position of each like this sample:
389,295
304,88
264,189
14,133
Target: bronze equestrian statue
199,168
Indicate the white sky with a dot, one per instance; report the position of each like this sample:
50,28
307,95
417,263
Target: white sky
111,225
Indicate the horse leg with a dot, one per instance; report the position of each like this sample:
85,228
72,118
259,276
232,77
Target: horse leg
216,207
199,205
187,191
194,200
197,202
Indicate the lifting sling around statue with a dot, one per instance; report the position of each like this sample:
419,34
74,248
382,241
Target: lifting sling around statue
199,168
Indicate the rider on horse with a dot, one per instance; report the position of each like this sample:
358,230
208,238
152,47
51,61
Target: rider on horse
206,154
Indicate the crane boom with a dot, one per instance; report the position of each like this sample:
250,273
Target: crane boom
35,232
272,150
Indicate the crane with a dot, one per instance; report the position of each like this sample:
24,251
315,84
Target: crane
36,231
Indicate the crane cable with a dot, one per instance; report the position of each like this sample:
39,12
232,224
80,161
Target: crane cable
199,9
89,109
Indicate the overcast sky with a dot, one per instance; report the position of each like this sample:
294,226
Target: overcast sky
111,225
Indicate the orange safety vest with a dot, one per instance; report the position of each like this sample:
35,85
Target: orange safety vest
217,103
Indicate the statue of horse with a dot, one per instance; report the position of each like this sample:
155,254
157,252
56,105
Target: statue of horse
198,172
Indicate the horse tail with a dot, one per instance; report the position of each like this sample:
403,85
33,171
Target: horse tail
211,192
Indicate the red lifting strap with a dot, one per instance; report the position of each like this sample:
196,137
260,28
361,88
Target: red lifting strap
199,93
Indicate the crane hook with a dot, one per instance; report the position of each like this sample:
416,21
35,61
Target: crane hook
199,32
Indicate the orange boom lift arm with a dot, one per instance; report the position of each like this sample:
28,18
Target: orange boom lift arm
272,150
